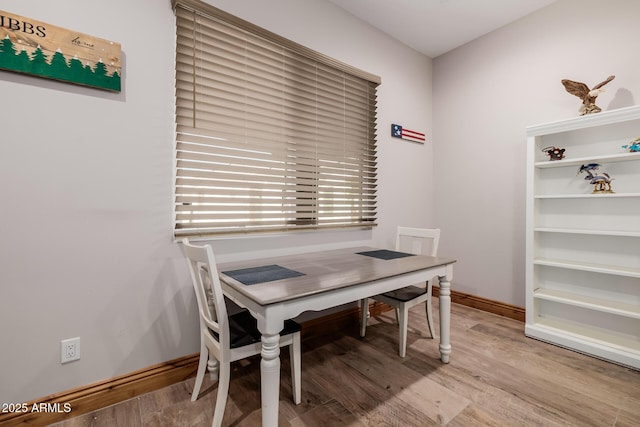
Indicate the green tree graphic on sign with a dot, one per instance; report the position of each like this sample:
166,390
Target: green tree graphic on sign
58,68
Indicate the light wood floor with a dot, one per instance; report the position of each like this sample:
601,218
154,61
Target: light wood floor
497,377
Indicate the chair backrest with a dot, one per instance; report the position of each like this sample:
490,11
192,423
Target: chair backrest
206,284
419,240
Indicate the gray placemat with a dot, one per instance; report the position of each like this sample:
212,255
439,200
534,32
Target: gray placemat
265,273
385,254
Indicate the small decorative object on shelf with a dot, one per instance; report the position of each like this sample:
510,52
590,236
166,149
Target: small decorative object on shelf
587,95
634,146
601,181
554,153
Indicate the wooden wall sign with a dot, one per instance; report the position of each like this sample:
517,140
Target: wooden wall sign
44,50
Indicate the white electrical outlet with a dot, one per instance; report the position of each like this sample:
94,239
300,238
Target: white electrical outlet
70,350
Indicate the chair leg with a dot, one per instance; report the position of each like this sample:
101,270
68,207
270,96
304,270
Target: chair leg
202,367
295,351
223,391
403,315
427,304
364,313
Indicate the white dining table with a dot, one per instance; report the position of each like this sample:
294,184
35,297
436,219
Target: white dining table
316,281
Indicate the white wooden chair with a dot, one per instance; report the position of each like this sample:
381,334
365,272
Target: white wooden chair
422,241
228,338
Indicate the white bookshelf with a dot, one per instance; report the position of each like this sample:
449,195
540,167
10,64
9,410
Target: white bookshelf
583,249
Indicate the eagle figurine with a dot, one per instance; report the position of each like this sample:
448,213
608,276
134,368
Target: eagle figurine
588,96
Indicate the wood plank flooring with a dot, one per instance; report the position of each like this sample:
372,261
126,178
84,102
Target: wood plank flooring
496,377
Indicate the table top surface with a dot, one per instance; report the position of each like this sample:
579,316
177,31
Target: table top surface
323,271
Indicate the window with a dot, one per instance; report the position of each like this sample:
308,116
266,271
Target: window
270,135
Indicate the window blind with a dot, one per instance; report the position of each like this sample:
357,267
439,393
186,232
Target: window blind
270,135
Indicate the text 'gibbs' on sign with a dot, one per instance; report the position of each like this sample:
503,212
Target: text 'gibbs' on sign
40,49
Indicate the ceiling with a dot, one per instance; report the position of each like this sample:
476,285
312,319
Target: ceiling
434,27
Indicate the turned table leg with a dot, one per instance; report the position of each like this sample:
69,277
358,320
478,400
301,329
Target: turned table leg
445,317
270,379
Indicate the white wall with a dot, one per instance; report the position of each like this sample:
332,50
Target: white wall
86,177
485,94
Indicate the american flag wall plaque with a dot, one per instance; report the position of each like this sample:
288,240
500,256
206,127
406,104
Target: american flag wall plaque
398,131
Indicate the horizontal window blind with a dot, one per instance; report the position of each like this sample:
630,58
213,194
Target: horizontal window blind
270,136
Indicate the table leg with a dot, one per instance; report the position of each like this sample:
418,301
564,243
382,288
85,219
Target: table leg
270,379
445,318
213,366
